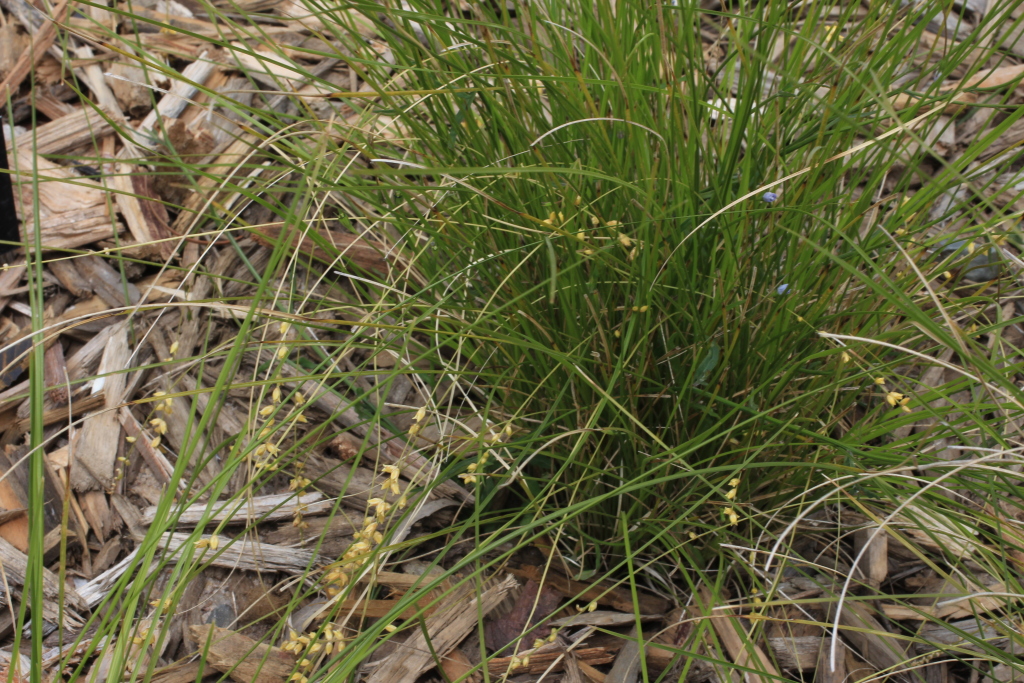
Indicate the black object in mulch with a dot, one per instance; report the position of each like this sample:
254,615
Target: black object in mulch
10,236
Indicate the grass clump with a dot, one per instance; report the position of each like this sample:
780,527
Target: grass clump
674,278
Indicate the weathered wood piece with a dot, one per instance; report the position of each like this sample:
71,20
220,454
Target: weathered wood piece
145,215
73,210
70,132
743,651
242,658
94,462
41,42
539,663
245,553
246,511
446,628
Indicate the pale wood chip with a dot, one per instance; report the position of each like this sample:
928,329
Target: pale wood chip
446,628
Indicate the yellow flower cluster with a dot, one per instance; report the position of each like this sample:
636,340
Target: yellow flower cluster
163,406
311,649
391,483
337,576
731,493
474,470
417,422
894,398
213,542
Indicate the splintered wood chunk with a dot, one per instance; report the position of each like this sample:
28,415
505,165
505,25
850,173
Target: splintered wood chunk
55,369
627,664
259,508
81,127
94,457
129,85
107,282
743,651
874,544
869,636
70,279
446,628
539,663
40,43
241,657
73,210
245,553
457,667
174,102
145,215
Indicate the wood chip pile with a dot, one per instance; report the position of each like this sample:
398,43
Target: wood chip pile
140,297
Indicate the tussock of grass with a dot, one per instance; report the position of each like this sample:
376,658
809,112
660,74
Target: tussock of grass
681,368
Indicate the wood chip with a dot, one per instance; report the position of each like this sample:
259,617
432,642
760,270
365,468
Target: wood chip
242,658
445,628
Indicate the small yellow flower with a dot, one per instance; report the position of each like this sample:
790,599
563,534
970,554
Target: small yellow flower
391,471
625,241
298,398
644,309
845,357
734,518
275,395
159,425
880,381
420,414
380,507
130,439
390,628
595,221
266,411
282,352
731,494
734,482
283,328
893,397
155,443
